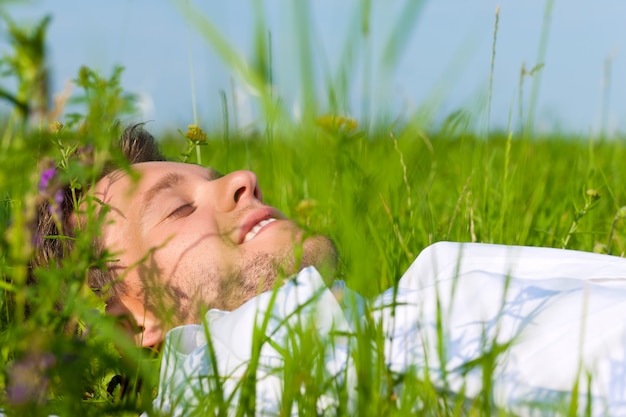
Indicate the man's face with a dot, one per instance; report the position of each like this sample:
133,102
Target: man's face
186,238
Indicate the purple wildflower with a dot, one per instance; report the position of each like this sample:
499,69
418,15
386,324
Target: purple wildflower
28,379
37,240
58,198
45,179
55,204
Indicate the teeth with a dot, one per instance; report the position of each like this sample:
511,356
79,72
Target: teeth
260,225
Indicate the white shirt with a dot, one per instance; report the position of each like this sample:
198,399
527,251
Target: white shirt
561,316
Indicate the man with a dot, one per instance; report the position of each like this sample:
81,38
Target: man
534,330
189,239
183,239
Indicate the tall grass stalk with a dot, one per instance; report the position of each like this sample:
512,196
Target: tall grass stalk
541,59
606,96
491,69
192,78
303,31
505,183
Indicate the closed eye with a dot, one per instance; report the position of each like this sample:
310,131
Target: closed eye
182,211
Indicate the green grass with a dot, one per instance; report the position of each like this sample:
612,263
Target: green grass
383,199
382,193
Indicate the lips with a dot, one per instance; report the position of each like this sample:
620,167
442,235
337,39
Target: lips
257,228
256,220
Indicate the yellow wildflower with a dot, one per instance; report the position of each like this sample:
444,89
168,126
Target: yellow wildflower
334,123
195,134
55,127
593,194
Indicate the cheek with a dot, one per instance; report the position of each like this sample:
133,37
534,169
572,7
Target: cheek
186,254
122,245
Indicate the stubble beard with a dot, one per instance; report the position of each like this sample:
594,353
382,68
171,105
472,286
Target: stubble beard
261,273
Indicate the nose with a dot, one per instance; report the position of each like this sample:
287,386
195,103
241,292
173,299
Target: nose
239,188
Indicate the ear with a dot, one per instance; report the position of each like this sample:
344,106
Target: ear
137,321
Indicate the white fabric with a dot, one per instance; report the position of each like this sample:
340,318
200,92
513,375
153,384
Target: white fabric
187,358
564,313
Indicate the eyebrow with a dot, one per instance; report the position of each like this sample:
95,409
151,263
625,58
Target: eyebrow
166,182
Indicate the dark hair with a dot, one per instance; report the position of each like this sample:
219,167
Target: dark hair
57,218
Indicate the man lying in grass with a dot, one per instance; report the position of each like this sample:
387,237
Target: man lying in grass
244,305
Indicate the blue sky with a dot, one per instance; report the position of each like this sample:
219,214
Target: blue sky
444,67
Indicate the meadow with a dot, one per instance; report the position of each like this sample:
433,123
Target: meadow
382,193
